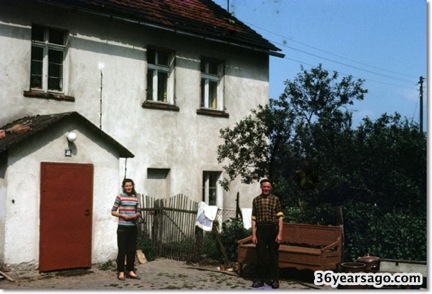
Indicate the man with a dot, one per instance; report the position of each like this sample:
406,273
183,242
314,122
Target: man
267,225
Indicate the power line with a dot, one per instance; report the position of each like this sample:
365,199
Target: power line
341,63
411,82
330,53
357,77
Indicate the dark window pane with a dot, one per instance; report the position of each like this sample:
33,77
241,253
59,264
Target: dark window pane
151,56
150,84
36,68
37,33
212,95
162,86
54,83
213,68
212,196
162,58
202,92
55,69
36,81
37,53
56,37
55,56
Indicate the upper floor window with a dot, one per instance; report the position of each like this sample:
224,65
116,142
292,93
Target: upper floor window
160,77
47,54
212,84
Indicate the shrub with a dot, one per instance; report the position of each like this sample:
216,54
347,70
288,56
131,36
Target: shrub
232,231
392,235
147,246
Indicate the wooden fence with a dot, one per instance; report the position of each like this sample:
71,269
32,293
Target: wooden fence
170,225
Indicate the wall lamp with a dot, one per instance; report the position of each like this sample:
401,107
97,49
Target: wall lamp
71,137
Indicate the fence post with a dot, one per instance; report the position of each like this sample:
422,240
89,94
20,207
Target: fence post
198,244
238,212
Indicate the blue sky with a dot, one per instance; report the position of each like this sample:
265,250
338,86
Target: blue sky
381,41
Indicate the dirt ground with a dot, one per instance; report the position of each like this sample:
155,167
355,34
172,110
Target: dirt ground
160,274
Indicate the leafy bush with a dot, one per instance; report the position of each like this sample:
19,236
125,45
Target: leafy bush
147,246
232,231
392,235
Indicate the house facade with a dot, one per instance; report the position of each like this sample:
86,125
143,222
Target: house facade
160,77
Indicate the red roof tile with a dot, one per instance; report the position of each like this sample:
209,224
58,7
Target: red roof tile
202,18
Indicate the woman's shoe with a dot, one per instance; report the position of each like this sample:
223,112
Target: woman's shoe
121,278
133,277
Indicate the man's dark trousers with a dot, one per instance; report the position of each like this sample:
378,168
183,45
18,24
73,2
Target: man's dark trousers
267,247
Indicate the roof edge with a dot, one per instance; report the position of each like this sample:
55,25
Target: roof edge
152,25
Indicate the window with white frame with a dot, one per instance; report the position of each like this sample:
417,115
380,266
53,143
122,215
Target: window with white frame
160,77
47,56
212,190
212,84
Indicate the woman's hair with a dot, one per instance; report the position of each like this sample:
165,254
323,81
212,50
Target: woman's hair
126,180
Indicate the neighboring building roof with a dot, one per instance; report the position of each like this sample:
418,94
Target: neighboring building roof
198,18
41,123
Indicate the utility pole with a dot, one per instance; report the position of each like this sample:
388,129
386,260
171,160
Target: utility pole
421,104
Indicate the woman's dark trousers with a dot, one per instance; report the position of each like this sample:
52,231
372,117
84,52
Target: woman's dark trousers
126,242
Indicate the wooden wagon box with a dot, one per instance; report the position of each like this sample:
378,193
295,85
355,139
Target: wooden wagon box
304,246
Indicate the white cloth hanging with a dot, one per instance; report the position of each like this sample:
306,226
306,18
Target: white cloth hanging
206,215
247,218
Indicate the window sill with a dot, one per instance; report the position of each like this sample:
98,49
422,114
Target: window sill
48,95
212,112
159,106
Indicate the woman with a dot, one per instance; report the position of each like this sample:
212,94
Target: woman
125,208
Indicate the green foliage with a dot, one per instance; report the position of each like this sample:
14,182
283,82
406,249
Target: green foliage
304,142
368,229
147,246
246,147
232,231
108,265
387,235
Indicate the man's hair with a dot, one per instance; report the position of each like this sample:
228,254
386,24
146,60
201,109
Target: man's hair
265,181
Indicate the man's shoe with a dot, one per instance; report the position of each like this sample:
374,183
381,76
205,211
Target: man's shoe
257,284
275,284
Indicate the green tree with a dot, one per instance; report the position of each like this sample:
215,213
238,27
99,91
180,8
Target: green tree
278,140
305,143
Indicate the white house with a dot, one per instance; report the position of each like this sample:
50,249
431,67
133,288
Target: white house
158,79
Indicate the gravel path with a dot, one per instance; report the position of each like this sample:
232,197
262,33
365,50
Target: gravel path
160,274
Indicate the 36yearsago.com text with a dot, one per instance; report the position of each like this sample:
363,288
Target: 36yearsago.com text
377,280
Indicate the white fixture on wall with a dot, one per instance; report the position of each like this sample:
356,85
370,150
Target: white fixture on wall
71,136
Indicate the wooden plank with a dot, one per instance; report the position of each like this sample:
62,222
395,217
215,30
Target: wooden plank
7,276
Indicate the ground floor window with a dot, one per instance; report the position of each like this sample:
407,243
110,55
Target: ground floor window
212,190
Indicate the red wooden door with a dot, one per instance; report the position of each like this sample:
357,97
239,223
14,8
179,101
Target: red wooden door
65,216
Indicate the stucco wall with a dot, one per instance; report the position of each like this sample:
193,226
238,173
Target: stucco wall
22,203
183,142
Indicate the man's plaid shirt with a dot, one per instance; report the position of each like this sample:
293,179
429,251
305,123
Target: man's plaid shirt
266,210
